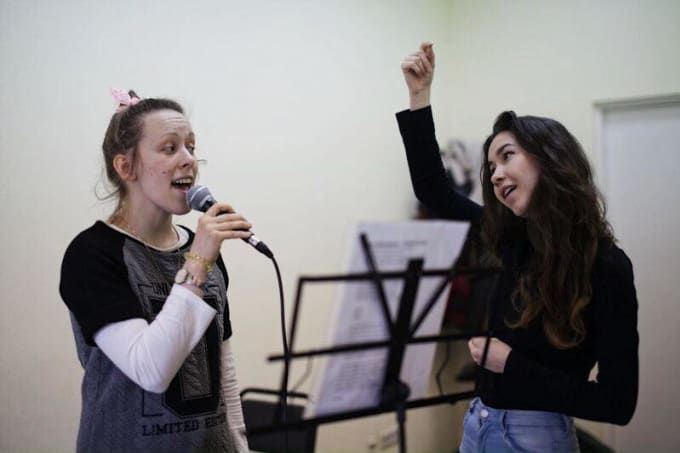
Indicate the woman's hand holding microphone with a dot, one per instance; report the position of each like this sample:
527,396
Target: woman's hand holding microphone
219,223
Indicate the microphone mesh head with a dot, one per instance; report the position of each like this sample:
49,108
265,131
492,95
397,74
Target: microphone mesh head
197,196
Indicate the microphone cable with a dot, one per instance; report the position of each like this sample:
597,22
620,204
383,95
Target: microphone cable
283,405
199,198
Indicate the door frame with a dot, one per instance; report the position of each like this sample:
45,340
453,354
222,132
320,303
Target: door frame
600,108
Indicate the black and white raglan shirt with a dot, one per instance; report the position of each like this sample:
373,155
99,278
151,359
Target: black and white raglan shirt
159,374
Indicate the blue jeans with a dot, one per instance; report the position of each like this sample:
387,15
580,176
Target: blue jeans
488,430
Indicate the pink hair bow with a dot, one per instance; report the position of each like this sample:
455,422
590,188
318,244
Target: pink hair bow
123,98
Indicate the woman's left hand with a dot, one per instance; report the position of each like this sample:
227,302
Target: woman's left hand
495,358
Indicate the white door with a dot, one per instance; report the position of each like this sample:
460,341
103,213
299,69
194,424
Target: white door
641,181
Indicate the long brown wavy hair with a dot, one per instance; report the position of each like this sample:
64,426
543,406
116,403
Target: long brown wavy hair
564,223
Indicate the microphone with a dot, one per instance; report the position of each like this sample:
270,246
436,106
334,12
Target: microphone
200,199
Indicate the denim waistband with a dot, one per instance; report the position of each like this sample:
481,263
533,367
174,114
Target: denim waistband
512,417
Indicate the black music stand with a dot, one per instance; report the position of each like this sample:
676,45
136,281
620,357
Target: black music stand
395,393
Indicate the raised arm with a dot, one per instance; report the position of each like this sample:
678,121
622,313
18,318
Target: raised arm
430,184
418,70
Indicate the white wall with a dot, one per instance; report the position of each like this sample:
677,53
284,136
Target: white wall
557,58
292,103
293,106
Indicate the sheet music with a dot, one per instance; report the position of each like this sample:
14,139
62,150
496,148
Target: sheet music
353,380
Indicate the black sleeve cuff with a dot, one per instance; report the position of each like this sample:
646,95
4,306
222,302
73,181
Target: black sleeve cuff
517,366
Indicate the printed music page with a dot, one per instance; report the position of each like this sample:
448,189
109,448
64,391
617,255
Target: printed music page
353,380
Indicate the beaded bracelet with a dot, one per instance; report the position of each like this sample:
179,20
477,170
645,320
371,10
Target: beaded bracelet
191,256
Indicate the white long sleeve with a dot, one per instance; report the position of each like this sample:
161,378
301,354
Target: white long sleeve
232,398
150,354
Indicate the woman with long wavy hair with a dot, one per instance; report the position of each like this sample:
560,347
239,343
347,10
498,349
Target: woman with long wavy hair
565,298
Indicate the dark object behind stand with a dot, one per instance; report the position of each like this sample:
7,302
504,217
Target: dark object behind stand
590,444
260,413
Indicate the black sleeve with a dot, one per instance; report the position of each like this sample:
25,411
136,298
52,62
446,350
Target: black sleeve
227,321
428,176
613,397
94,283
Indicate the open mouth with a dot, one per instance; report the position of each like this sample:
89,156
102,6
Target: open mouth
183,183
507,191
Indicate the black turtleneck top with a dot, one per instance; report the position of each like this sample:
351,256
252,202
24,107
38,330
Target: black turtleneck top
537,375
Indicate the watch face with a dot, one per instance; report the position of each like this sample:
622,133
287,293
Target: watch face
181,276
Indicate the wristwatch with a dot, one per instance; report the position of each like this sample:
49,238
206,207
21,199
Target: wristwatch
184,276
